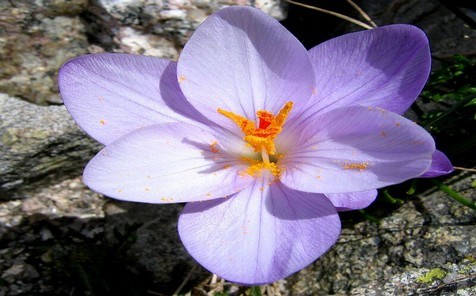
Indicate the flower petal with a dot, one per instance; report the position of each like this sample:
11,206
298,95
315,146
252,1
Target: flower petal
353,149
242,60
385,67
110,95
353,200
261,234
440,165
167,163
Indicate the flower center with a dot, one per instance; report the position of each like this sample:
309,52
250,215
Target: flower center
261,137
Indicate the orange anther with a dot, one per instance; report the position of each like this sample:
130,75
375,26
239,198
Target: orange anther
269,126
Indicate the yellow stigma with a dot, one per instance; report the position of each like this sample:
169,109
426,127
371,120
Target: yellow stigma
269,127
261,137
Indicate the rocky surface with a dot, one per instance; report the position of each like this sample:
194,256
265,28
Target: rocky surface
59,238
64,237
398,255
38,145
37,37
67,240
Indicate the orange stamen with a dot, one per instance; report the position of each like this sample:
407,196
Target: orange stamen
269,127
261,137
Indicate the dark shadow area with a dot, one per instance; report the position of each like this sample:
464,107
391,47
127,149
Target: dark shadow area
71,256
312,27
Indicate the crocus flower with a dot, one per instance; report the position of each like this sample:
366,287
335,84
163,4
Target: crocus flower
263,139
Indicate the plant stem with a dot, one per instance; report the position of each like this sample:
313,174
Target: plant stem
464,169
369,217
341,16
455,195
362,13
412,188
391,199
255,291
449,111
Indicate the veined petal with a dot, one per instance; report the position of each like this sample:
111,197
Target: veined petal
353,200
110,95
353,149
261,234
385,67
440,165
242,60
167,163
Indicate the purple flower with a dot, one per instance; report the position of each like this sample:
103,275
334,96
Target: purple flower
264,140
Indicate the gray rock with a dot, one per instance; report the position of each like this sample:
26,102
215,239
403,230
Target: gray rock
156,247
43,152
38,145
425,247
132,41
37,37
173,21
430,234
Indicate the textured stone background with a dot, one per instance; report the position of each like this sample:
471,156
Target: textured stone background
59,238
37,37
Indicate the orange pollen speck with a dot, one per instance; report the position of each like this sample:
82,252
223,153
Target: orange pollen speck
356,166
213,147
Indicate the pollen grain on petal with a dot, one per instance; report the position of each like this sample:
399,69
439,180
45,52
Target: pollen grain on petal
357,166
213,147
102,122
181,79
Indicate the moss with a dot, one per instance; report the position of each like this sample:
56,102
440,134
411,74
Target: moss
473,184
12,136
471,259
432,275
470,262
8,138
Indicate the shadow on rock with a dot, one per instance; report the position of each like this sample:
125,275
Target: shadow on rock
134,251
